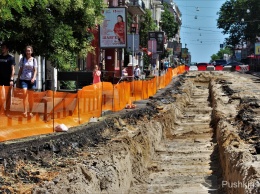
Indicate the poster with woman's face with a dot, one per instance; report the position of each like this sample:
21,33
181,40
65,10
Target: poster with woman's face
159,37
113,29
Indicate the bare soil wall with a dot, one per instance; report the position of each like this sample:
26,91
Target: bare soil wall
239,159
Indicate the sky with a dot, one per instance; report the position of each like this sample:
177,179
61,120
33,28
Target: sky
199,28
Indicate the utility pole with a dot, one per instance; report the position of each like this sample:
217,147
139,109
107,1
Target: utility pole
133,31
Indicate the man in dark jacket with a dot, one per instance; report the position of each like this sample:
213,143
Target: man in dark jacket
7,64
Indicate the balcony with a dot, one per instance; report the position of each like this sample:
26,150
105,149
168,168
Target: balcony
136,7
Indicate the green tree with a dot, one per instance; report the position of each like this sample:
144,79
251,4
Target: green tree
220,54
168,24
214,57
240,20
58,30
147,25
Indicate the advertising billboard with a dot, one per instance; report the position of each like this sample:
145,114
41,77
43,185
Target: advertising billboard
133,42
238,54
171,45
112,31
257,48
177,48
184,53
159,37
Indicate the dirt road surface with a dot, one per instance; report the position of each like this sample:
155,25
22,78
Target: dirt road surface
200,135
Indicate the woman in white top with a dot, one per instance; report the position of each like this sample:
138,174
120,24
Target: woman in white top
137,72
27,78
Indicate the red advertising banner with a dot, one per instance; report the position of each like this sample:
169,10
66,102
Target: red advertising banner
257,48
152,46
113,29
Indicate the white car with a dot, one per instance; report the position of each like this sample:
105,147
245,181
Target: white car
193,68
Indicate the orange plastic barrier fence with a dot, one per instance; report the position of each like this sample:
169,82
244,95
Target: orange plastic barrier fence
122,95
182,69
175,71
50,108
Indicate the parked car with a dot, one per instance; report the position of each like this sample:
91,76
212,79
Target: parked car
192,63
193,67
221,62
234,63
203,64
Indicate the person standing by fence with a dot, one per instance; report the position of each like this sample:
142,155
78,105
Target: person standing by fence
96,75
137,72
166,65
27,79
7,64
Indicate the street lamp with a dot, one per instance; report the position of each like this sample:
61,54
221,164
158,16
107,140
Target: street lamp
133,31
243,20
247,11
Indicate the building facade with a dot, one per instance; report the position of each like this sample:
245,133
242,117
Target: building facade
111,60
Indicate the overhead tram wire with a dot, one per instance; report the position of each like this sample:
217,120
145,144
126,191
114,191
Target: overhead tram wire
204,27
204,40
196,7
201,16
200,29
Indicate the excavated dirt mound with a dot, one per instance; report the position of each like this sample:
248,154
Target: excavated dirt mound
235,100
178,141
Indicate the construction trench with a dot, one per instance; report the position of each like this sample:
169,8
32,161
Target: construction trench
201,134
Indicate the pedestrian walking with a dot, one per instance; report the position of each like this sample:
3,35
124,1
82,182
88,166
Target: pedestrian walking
166,65
7,64
27,79
137,72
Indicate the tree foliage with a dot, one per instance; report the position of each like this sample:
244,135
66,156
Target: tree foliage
147,25
168,24
240,20
59,30
220,54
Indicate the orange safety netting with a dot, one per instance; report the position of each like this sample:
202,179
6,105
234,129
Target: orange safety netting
50,108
